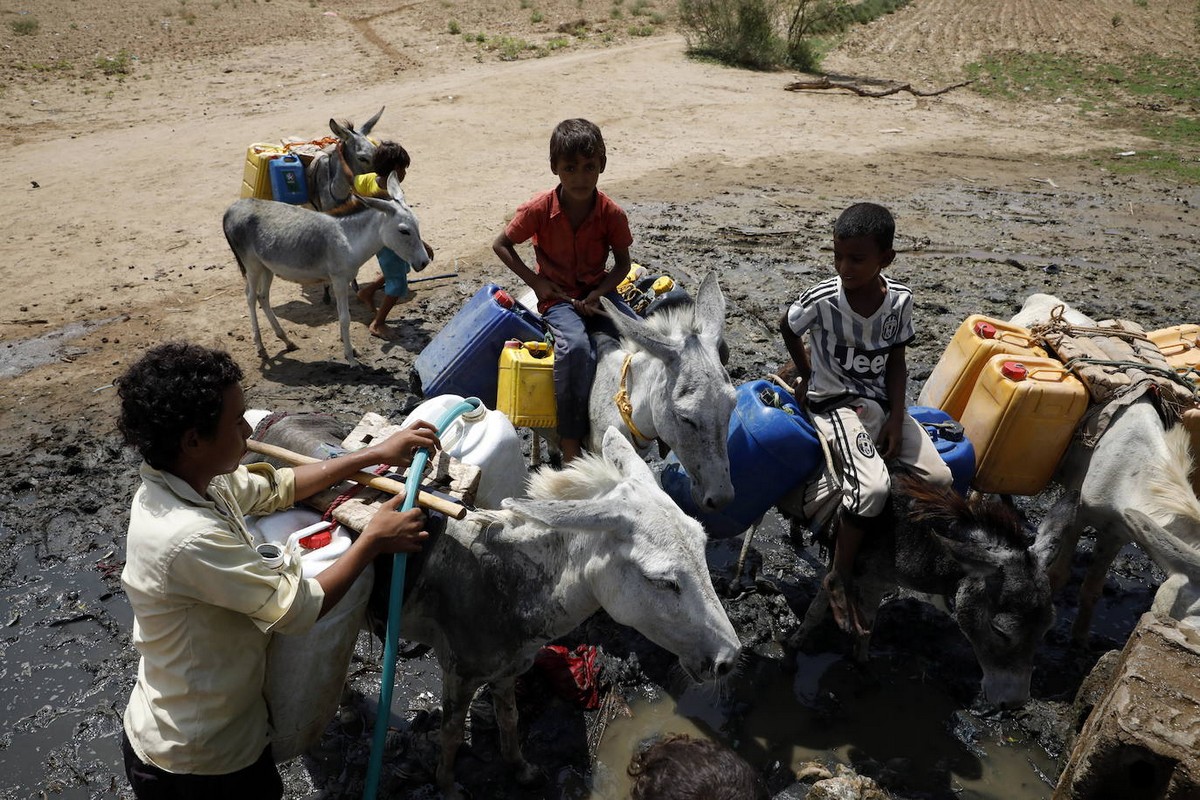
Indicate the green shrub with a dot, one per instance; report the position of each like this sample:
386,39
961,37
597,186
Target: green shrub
454,27
734,31
766,34
120,64
24,26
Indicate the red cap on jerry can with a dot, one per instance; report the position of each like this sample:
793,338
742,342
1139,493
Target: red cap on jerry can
1014,371
985,330
513,343
503,298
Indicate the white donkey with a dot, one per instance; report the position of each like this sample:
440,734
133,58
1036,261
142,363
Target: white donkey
668,369
330,175
304,246
498,585
1131,469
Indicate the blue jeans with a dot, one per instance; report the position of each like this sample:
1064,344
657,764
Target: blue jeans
575,361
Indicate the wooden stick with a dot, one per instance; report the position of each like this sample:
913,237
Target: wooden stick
424,499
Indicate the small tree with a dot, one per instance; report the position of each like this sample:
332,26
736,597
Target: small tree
734,31
761,33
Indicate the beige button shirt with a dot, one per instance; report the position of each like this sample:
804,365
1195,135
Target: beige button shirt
204,609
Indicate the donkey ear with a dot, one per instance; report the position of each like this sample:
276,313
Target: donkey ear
1058,520
586,515
620,453
393,187
366,128
377,203
975,557
710,308
339,130
640,333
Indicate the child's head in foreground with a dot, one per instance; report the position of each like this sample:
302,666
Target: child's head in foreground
866,220
862,242
173,388
576,138
680,767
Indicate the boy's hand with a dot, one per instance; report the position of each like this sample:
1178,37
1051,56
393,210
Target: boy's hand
395,531
589,305
548,291
399,448
891,436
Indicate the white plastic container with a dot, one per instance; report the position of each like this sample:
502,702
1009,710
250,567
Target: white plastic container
306,672
281,528
485,438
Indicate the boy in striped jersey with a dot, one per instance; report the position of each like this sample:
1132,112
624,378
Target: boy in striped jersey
853,381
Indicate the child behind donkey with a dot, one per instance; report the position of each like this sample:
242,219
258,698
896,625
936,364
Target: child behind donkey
389,157
853,380
573,226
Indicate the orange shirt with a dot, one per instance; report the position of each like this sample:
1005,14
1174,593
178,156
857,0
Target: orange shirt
574,259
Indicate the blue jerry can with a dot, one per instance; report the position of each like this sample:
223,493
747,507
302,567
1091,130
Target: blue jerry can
951,441
287,179
772,448
464,356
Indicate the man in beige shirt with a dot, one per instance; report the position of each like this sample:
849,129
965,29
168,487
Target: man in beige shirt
205,605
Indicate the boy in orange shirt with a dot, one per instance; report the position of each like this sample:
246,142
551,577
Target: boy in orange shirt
573,226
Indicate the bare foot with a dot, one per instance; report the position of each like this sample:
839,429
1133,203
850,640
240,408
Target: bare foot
381,331
366,295
845,610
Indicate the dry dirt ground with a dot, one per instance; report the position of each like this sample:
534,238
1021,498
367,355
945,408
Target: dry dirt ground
127,125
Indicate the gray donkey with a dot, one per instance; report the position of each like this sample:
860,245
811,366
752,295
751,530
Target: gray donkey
304,246
330,175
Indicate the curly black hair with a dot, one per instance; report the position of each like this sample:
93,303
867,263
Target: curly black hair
680,767
171,389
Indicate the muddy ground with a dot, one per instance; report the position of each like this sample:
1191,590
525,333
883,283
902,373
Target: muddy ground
115,194
971,245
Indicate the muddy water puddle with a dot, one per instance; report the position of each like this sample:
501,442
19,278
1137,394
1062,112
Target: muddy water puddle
24,355
823,713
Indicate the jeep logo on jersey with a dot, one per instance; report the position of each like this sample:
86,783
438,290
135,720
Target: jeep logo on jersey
862,364
889,327
864,444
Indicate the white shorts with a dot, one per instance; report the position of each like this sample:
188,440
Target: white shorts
852,431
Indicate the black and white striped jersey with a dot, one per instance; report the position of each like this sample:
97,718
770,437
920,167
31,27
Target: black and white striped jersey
849,352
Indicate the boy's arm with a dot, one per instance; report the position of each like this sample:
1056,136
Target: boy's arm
795,347
621,262
895,380
544,288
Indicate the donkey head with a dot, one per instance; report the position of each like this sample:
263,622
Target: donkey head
401,233
357,149
646,566
1003,600
692,411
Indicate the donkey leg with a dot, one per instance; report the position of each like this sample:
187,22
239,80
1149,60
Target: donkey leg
264,301
252,308
504,700
1108,544
341,293
456,699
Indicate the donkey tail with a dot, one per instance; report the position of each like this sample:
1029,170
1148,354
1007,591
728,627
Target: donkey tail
226,224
